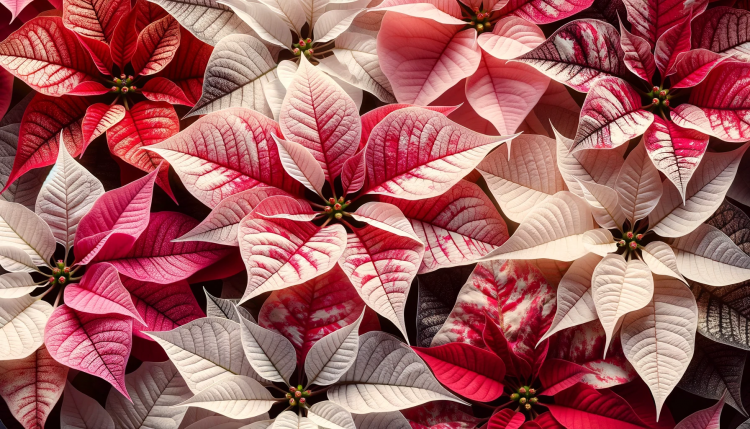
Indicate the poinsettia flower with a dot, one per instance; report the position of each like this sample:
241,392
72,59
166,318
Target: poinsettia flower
628,272
408,161
426,47
128,276
118,73
336,37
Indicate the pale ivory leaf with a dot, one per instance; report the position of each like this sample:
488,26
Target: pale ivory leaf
16,285
22,322
333,355
638,185
270,354
599,241
661,259
709,256
604,204
23,229
236,396
329,415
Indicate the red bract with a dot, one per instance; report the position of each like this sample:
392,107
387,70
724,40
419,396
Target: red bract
286,240
103,48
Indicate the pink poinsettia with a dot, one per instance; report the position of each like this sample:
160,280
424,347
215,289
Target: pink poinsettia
128,276
426,47
418,216
119,71
686,90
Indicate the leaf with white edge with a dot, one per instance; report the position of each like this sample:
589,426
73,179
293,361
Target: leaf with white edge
66,196
415,153
208,20
80,411
599,241
319,115
597,166
578,53
638,57
14,259
270,354
708,256
332,23
661,259
263,21
301,165
675,151
552,230
333,355
382,265
390,420
291,420
619,287
16,285
329,415
638,185
26,231
575,305
225,308
386,376
457,227
279,253
236,396
675,217
611,115
358,52
155,388
32,386
604,205
22,322
722,30
385,216
239,66
205,351
522,178
659,339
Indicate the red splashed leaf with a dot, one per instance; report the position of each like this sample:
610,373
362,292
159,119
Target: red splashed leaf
693,66
98,119
307,312
441,415
611,115
319,115
145,124
579,53
147,13
115,221
675,151
671,44
417,153
196,155
124,40
47,56
638,57
155,258
162,307
157,45
723,30
375,116
457,227
467,370
652,18
95,19
557,375
188,66
506,419
583,407
381,265
39,137
99,53
32,386
544,11
163,89
100,291
422,58
95,344
718,105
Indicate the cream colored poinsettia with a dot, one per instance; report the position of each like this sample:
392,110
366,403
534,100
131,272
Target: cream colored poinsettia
632,238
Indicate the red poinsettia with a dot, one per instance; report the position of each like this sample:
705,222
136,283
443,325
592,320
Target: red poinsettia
103,67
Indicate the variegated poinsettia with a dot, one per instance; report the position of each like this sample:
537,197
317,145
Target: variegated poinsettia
127,276
411,211
427,47
104,67
628,273
657,80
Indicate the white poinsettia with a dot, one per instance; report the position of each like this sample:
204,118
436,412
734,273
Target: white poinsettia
631,236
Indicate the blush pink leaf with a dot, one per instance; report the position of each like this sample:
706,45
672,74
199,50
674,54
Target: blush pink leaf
704,419
162,307
544,11
100,291
375,116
